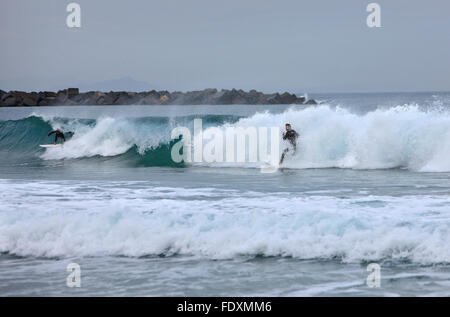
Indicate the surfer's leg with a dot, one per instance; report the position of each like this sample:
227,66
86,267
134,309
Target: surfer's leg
283,155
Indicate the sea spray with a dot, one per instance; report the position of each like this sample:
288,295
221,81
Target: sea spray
330,137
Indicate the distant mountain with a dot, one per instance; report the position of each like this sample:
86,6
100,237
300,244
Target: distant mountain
119,84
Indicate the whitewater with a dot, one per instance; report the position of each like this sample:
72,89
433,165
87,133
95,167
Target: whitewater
399,137
369,183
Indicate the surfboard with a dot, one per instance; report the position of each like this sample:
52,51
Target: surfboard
50,145
268,168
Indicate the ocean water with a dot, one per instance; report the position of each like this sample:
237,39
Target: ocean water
369,183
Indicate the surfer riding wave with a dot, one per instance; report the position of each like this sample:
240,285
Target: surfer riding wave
291,135
59,135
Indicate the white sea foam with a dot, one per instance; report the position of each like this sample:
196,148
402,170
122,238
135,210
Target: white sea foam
95,219
398,137
108,137
403,136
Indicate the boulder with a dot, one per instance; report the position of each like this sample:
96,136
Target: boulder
104,99
73,92
30,100
310,102
197,97
25,98
300,100
163,99
150,98
226,97
122,98
178,98
70,102
44,102
274,99
49,94
287,98
71,96
255,97
134,98
61,98
8,100
77,99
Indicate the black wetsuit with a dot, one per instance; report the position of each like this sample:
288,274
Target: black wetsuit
290,135
58,135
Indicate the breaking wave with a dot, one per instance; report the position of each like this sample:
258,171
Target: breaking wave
139,220
331,137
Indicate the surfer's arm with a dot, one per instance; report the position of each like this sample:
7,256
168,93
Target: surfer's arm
51,133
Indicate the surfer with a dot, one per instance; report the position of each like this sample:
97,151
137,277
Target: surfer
291,135
58,135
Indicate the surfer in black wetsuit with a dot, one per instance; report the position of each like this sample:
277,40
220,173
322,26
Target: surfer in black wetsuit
291,135
58,135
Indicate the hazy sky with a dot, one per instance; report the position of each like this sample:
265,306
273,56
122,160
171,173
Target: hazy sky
298,46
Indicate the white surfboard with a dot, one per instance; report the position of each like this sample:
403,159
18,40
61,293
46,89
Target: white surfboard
267,167
50,145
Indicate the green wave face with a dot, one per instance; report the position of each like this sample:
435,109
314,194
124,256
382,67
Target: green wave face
131,142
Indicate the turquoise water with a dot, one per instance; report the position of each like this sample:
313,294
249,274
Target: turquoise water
368,184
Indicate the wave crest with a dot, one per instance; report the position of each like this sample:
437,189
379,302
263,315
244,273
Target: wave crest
399,137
